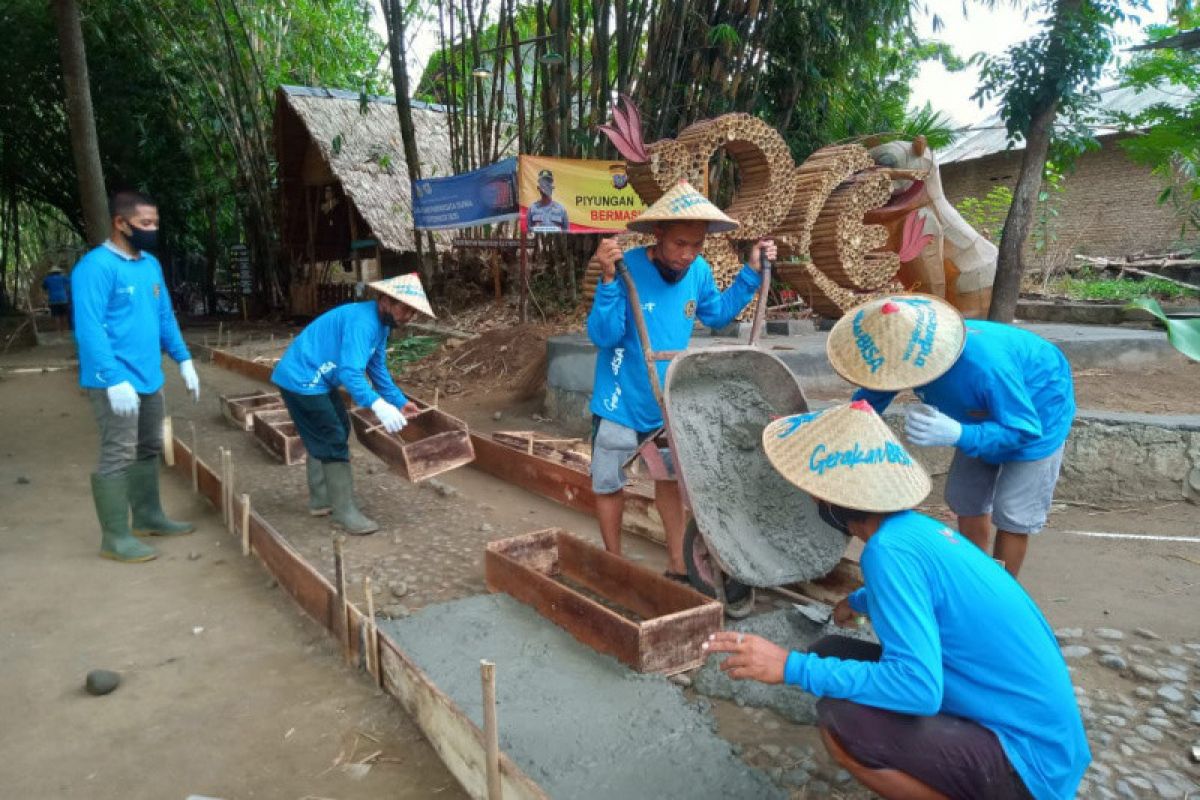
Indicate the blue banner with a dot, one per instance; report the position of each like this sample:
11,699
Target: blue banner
482,197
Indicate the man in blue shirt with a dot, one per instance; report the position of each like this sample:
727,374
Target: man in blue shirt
344,347
967,693
1002,396
123,323
675,286
56,285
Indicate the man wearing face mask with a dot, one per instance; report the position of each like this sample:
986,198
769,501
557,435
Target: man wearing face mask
346,347
123,322
676,287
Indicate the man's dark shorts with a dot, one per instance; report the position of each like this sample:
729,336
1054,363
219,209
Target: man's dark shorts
959,758
59,309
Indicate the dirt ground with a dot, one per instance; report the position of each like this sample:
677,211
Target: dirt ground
257,655
227,691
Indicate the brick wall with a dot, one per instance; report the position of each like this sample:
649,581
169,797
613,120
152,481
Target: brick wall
1109,206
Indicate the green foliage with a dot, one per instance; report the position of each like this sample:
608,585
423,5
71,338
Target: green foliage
409,350
1056,68
1168,139
986,214
1184,334
1050,198
1089,286
936,127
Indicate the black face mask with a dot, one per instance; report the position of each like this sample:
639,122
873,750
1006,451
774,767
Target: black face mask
141,239
831,518
669,275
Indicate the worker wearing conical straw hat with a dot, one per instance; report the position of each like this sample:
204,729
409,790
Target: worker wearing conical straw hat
346,347
1002,396
676,287
967,694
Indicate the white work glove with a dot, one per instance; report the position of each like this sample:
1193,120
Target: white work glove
389,416
928,427
124,399
190,379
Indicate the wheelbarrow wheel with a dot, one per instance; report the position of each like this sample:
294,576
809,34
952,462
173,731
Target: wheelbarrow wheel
702,575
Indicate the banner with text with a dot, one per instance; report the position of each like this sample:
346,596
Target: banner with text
482,197
571,195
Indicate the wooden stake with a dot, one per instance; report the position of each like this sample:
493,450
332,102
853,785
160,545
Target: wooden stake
491,736
436,390
220,333
339,577
232,518
168,434
245,524
372,633
195,460
224,469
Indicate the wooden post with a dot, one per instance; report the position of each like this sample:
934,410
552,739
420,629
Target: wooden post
224,470
220,333
232,519
245,524
436,390
339,577
491,737
168,434
195,460
523,302
371,637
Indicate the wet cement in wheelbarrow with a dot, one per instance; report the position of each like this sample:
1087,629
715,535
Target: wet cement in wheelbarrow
789,629
765,530
578,723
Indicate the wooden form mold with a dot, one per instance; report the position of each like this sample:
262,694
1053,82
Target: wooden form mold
554,572
458,741
276,432
239,409
431,443
571,486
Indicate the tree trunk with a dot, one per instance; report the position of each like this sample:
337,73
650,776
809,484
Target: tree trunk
1011,264
394,16
82,121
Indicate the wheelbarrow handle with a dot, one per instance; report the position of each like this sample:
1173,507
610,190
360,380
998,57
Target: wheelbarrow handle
635,305
764,290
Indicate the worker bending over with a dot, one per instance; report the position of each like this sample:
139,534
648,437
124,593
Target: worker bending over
1002,396
346,347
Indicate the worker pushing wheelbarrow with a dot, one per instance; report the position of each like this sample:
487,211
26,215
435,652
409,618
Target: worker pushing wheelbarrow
707,458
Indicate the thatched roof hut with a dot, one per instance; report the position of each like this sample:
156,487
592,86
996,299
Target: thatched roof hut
344,186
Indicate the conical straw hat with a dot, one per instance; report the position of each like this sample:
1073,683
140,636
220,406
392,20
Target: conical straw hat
683,204
896,342
848,456
407,289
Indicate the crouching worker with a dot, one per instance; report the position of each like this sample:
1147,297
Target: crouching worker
675,286
967,694
346,347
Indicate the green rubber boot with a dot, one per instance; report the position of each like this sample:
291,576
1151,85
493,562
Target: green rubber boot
340,482
148,516
318,493
111,493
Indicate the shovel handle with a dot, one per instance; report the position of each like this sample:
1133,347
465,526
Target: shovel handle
760,308
635,304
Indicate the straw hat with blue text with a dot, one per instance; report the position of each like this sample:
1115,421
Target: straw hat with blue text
407,289
683,204
896,342
848,456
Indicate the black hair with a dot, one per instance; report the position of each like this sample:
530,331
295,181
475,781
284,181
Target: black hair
125,203
848,514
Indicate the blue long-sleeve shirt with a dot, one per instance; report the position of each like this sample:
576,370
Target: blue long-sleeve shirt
621,390
55,285
1011,390
961,637
123,320
343,347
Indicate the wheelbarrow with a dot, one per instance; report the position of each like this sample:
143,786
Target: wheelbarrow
748,527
